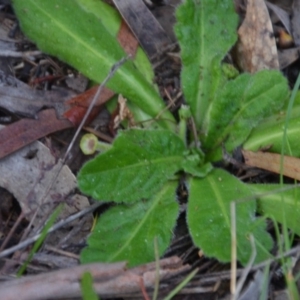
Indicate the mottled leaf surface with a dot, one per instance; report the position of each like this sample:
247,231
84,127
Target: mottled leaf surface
111,19
282,204
69,30
269,134
208,216
206,30
241,105
128,232
137,165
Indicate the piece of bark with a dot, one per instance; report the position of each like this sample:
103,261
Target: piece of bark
271,162
52,285
27,102
109,280
256,48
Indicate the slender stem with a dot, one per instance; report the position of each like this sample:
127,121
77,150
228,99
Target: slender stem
184,115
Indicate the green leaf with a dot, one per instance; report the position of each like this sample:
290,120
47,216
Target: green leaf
283,204
206,31
79,37
199,171
86,286
194,163
137,165
111,19
209,219
269,134
128,232
241,105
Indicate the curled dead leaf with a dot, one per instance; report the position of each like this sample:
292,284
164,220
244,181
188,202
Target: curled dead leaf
256,48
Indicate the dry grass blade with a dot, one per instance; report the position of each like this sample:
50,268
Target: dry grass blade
271,162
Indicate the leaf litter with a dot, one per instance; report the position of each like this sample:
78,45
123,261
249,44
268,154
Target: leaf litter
39,163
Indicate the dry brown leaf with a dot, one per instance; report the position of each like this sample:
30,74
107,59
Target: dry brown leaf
124,113
295,22
26,131
256,49
127,40
271,162
288,56
281,15
29,173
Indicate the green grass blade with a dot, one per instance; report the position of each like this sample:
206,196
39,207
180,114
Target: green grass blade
86,285
181,285
41,239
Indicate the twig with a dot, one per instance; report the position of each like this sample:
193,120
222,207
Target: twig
61,252
9,53
246,270
12,230
99,134
233,247
143,289
108,280
63,161
113,70
58,225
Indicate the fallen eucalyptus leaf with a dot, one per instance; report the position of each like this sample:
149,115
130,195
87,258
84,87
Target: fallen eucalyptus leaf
29,173
25,131
256,48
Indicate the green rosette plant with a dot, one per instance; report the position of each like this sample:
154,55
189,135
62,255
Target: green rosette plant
140,171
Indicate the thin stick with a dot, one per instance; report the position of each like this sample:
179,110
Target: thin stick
114,68
156,285
12,231
58,225
247,269
233,248
9,53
